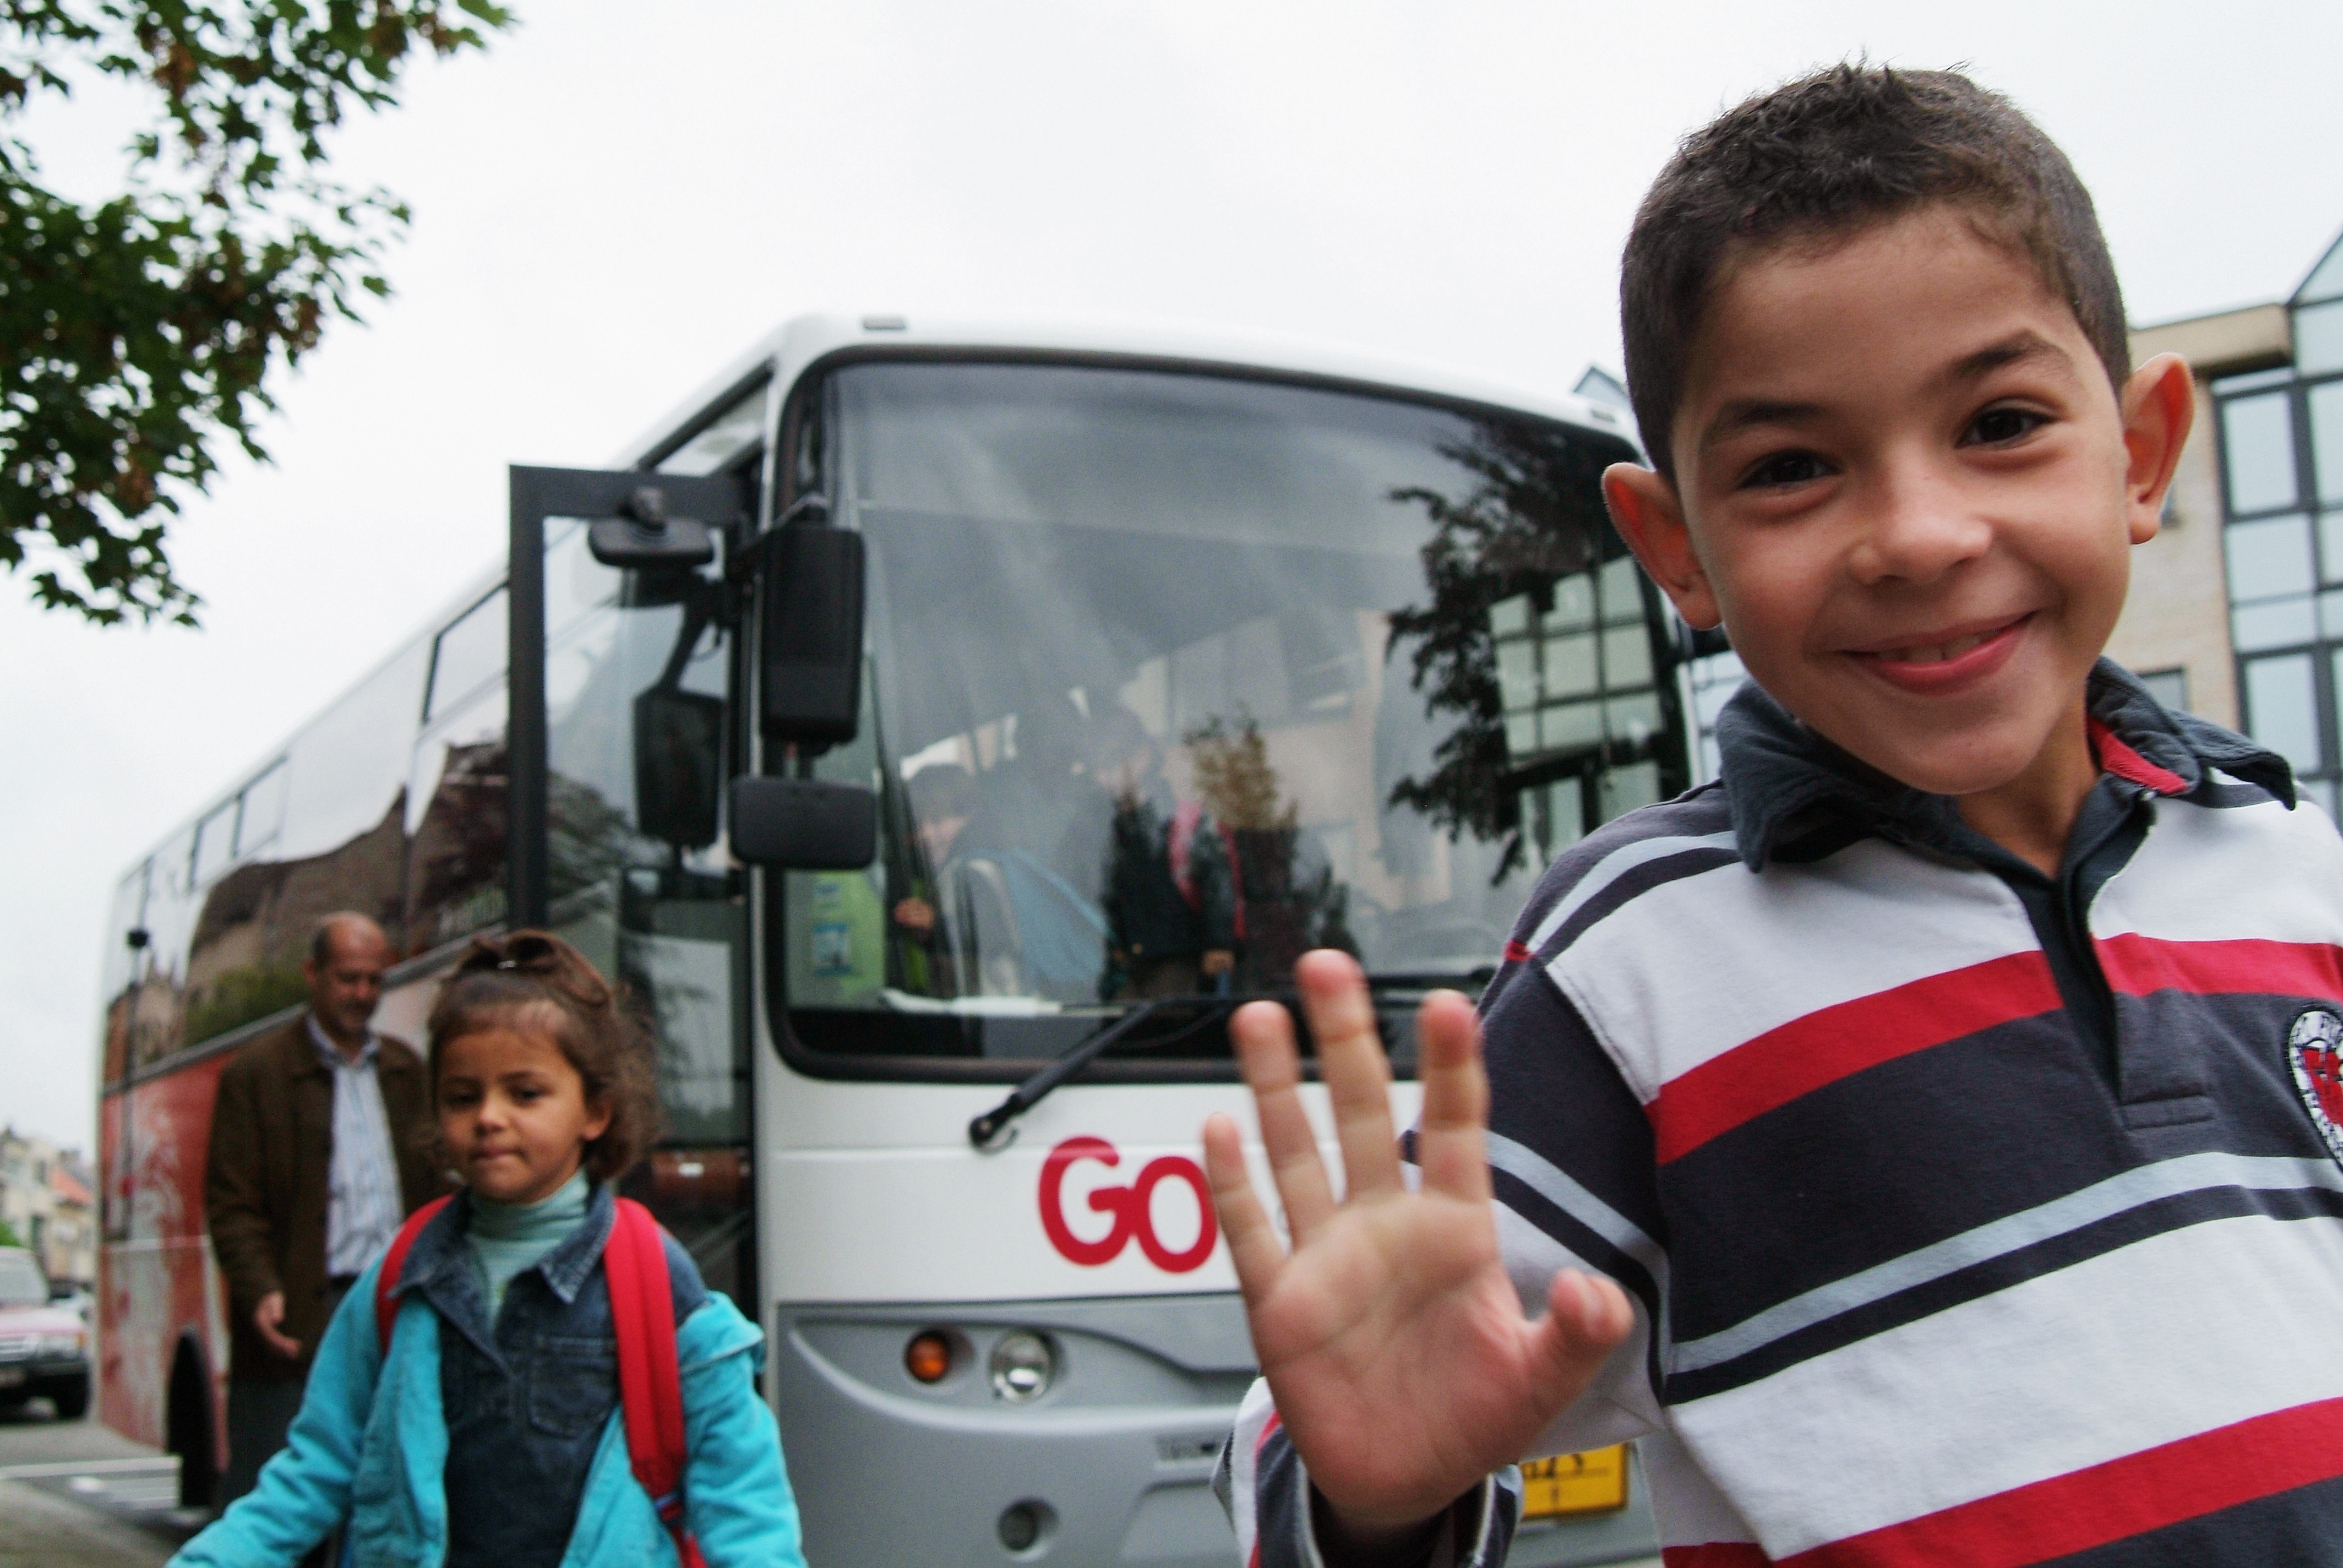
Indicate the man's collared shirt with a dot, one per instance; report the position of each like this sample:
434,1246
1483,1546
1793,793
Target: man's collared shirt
362,1198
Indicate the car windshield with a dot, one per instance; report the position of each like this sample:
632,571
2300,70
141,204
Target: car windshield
21,1284
1173,676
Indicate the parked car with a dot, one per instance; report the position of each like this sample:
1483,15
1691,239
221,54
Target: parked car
43,1349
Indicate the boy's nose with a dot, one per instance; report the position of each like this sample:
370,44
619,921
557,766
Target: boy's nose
1917,528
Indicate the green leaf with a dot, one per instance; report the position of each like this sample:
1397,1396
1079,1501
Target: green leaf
136,334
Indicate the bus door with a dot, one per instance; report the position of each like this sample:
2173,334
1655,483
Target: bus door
620,744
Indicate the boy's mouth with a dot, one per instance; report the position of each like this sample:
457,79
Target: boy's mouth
1952,659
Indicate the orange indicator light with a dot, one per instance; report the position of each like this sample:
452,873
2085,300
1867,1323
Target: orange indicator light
928,1357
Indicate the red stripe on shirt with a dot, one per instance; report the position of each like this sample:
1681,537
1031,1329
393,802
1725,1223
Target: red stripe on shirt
2140,966
2129,1496
1267,1427
1716,1554
1834,1042
2125,763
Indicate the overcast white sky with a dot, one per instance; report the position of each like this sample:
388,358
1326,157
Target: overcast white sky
616,199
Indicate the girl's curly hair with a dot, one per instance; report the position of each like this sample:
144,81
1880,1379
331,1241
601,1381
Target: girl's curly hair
531,979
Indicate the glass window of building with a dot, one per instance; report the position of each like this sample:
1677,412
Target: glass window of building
2169,686
2281,447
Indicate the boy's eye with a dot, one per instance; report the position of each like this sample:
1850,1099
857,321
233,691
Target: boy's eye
1996,426
1785,468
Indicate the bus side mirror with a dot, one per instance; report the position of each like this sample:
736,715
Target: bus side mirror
804,824
642,537
679,765
811,641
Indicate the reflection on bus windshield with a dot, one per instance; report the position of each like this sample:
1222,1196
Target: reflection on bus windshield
1174,678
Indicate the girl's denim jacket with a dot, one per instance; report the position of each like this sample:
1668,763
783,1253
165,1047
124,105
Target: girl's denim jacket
371,1445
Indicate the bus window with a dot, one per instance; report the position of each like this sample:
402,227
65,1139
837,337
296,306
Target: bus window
575,582
663,915
125,967
214,843
471,652
1174,677
720,442
455,821
262,815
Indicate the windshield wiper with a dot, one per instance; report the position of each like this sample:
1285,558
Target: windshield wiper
1478,975
986,1132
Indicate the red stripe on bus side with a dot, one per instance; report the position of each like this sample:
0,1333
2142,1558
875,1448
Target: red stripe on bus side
2141,1492
1716,1554
1834,1042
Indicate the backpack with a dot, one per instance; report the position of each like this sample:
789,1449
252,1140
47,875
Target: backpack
1187,821
642,1313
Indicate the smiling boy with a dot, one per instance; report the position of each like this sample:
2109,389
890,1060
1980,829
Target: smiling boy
1919,1138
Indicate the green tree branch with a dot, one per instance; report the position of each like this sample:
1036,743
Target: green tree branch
136,334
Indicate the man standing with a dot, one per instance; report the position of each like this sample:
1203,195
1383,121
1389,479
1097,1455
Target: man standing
318,1153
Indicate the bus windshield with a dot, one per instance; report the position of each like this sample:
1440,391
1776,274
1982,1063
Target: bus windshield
1173,676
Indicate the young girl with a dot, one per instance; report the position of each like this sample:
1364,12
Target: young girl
489,1436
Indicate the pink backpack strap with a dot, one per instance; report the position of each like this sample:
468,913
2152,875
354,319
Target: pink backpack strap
1236,882
1182,845
393,1263
651,1385
1186,818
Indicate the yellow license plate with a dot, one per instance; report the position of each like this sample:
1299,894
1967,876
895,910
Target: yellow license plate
1569,1483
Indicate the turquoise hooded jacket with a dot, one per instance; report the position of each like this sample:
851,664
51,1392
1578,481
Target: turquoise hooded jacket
370,1445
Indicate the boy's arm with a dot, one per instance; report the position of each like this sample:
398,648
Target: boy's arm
1281,1522
1403,1368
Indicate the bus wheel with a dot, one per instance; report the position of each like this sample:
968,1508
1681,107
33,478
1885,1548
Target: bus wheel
192,1433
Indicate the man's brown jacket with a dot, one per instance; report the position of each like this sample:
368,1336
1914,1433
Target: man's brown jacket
265,1177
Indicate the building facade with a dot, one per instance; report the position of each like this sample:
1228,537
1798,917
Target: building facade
2175,630
47,1201
2278,429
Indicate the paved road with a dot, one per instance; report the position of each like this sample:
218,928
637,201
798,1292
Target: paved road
75,1494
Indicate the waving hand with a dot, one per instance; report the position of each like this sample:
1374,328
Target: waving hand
1390,1336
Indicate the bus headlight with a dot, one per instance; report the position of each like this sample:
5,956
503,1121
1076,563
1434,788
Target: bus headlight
1021,1367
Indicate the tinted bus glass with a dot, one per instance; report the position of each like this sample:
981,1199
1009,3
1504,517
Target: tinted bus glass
1174,677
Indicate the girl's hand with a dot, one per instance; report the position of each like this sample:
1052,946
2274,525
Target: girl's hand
1391,1338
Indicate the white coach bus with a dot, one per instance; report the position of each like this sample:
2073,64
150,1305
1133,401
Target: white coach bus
942,726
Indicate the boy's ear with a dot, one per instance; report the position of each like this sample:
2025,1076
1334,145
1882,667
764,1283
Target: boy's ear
2158,406
1646,512
598,1118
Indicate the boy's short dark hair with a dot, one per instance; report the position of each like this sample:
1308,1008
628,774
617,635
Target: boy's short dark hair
1822,156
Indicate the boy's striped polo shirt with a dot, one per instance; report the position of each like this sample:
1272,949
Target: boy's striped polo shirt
1972,1216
